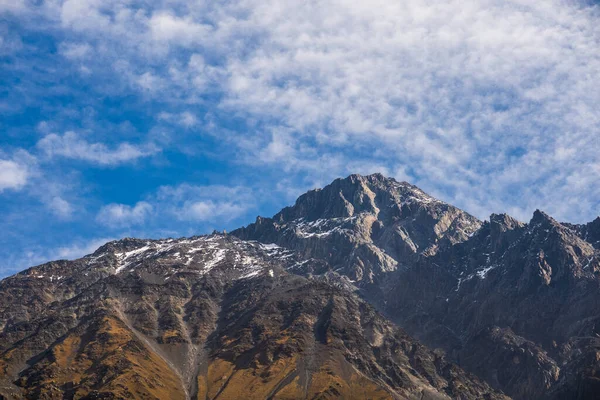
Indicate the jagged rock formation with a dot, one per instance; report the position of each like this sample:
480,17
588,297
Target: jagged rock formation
303,305
365,226
539,279
589,232
209,317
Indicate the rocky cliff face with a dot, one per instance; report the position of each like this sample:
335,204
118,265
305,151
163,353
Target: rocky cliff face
535,286
307,304
589,232
365,226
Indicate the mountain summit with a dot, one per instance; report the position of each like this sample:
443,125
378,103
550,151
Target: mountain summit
342,295
365,226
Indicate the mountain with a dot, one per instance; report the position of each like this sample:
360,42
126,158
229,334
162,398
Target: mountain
208,317
515,303
342,295
519,301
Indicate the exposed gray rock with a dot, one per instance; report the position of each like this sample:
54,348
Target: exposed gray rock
365,226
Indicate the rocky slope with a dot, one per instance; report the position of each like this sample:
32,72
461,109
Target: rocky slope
523,295
209,317
516,303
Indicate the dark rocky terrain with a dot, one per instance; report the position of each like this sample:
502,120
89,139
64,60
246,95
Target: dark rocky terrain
321,301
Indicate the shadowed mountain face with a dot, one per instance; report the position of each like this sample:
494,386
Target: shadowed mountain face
309,304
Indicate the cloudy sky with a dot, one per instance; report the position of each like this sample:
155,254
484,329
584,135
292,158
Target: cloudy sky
175,117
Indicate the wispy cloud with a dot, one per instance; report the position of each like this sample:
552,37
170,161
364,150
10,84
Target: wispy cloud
211,211
31,257
164,26
122,215
12,5
60,207
185,118
180,209
456,96
71,145
12,175
214,203
75,51
78,249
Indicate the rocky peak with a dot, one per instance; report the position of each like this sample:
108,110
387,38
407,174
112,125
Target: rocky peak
541,218
589,232
124,244
355,194
504,222
502,231
555,251
366,225
592,232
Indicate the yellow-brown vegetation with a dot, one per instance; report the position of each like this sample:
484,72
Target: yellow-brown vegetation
225,382
110,359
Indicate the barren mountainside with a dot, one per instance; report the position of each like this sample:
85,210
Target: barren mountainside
367,288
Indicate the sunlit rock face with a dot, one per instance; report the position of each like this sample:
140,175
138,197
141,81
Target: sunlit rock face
365,226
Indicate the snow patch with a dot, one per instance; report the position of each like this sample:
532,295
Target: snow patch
482,274
217,257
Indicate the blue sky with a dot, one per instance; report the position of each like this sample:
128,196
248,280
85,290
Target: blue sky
172,118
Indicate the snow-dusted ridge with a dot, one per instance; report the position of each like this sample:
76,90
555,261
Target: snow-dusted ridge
321,227
198,255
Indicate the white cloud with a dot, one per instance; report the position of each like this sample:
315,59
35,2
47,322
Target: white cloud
12,175
12,5
60,207
185,119
150,82
75,51
166,27
77,249
31,257
122,215
71,145
211,211
445,89
214,203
